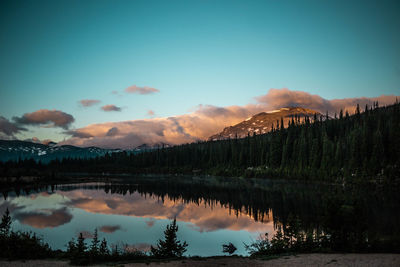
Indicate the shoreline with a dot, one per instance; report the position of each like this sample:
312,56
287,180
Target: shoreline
313,259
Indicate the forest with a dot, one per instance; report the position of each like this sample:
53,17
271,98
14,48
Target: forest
363,147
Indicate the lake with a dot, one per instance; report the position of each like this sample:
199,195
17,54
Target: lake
210,211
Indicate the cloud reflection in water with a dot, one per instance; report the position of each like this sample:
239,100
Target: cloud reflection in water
44,218
202,216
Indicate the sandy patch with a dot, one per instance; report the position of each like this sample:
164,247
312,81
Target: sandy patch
292,261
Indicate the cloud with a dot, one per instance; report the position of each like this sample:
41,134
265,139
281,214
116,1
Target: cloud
199,125
145,90
116,93
88,102
207,120
112,132
45,219
277,98
38,141
150,113
47,141
109,228
46,117
8,128
78,134
110,108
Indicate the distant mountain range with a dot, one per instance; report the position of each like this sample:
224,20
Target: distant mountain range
262,122
14,150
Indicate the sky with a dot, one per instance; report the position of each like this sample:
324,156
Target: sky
115,73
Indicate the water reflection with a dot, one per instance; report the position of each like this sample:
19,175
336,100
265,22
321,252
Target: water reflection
43,218
133,217
202,215
109,228
209,211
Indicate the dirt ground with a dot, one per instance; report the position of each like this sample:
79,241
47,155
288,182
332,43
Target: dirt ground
292,261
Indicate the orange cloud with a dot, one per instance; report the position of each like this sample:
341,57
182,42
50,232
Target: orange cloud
145,90
88,102
110,108
205,121
46,117
277,98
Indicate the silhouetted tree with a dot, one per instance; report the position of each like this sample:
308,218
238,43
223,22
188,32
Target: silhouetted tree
104,250
81,246
71,248
170,247
5,223
229,248
94,247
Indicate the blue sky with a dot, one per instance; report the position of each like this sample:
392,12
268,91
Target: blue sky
221,53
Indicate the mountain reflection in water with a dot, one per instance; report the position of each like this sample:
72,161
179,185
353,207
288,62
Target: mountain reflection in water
121,211
209,211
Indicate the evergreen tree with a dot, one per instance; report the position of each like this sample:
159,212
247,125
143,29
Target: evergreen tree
358,111
81,246
71,247
170,247
94,247
378,152
5,223
104,250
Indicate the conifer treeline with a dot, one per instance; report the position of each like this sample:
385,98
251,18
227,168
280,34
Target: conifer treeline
365,145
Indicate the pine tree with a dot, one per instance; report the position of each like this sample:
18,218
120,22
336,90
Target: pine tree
71,247
94,247
104,251
81,246
5,223
170,247
378,152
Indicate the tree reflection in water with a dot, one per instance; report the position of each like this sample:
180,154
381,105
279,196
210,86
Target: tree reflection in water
353,218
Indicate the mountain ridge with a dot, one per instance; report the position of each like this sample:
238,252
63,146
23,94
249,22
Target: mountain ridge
263,122
15,150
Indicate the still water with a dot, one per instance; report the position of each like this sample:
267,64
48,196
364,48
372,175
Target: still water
209,211
61,212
